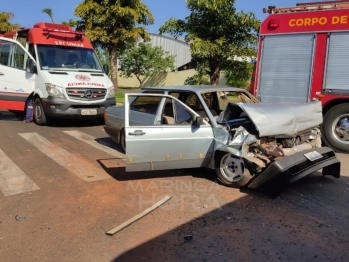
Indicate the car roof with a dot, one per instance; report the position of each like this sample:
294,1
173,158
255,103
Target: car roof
200,89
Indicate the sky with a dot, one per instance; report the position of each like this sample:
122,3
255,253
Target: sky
27,13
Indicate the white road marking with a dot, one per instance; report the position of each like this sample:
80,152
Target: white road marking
82,168
13,180
92,142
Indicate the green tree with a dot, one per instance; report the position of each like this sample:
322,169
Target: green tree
5,25
113,25
49,12
217,34
201,77
144,60
240,74
103,56
72,23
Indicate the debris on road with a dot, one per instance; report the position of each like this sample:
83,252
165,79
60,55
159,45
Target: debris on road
135,218
188,237
20,218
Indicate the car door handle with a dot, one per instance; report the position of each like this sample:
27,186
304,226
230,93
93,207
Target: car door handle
1,74
137,133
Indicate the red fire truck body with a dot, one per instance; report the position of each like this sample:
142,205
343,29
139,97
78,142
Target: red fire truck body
303,56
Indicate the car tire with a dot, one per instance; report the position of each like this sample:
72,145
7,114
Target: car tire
331,118
123,140
230,170
40,117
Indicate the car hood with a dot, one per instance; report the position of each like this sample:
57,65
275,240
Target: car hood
281,120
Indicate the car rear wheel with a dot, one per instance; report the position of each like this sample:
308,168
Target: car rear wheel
123,140
230,170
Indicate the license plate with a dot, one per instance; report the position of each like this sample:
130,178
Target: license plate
88,112
312,156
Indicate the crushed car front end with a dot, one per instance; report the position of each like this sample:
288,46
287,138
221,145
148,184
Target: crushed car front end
268,146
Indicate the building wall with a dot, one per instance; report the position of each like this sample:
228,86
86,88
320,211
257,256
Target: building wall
163,79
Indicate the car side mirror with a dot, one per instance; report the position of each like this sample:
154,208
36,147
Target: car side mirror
106,69
198,121
31,66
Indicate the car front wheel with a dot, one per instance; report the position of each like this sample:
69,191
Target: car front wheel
230,170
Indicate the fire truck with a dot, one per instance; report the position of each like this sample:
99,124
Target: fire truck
303,56
57,70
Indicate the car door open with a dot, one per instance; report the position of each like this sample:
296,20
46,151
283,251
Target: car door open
163,133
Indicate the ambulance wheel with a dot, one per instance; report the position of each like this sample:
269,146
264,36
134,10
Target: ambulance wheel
230,170
39,114
334,128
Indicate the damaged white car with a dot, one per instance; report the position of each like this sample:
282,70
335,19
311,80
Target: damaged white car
252,145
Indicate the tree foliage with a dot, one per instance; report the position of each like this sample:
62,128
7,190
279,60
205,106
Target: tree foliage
145,60
5,25
72,23
239,75
201,77
49,12
114,25
217,34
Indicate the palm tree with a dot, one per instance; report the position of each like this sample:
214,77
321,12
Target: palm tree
49,12
5,25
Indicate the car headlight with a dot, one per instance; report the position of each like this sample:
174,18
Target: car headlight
111,92
54,90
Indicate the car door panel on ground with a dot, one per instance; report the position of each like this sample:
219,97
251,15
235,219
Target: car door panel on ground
172,141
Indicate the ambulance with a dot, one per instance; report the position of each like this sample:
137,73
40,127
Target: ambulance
303,56
56,69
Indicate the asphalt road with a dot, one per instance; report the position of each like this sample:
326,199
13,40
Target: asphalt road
63,187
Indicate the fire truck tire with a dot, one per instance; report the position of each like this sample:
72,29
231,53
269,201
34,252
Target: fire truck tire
39,114
328,128
230,170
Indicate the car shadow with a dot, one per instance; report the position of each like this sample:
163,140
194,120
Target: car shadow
75,123
11,115
119,173
302,224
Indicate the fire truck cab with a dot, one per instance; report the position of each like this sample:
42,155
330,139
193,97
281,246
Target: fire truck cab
55,67
303,56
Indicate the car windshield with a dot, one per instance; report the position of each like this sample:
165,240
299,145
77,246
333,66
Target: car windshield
236,96
62,58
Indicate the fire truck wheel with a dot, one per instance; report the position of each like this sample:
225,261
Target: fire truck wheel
230,170
39,115
335,129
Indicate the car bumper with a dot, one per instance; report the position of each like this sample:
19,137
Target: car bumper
62,108
290,169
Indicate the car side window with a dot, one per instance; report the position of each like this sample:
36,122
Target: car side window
144,110
175,114
146,104
12,55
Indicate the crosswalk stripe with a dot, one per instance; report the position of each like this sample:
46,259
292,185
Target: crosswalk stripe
85,170
92,142
13,180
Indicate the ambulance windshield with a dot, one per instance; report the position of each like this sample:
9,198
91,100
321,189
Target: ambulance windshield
52,57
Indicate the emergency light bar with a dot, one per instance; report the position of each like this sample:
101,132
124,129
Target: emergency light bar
62,31
301,7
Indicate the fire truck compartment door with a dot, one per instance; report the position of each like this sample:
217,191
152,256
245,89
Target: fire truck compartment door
286,68
337,77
